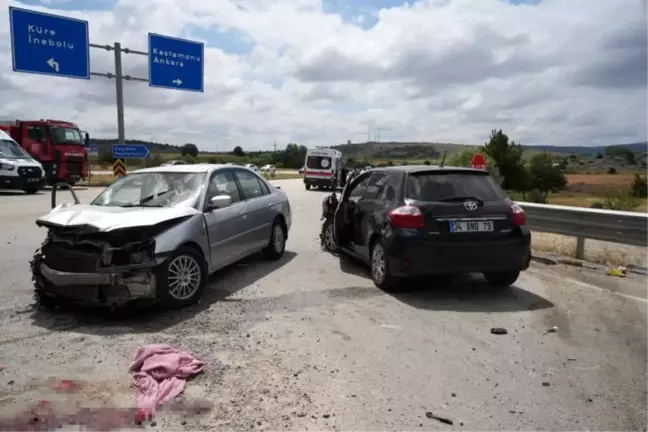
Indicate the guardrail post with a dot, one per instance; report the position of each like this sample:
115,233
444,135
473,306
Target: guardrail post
580,240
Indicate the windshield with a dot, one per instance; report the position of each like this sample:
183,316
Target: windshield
11,150
443,187
153,189
318,162
66,135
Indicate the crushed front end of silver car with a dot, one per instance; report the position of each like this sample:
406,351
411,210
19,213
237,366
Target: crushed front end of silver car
91,256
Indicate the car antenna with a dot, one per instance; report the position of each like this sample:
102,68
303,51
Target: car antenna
443,158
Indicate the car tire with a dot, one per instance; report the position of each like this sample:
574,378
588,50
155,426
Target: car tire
307,186
329,237
502,279
31,191
277,242
380,269
180,281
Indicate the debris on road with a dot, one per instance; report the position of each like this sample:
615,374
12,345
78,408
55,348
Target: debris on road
618,271
433,416
498,331
545,384
553,329
160,373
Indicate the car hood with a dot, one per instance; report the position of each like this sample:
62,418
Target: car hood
112,218
22,162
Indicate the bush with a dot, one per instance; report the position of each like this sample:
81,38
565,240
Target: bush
427,162
154,161
620,200
611,170
597,205
640,186
189,159
535,196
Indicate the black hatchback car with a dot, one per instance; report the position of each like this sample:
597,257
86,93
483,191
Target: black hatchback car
425,220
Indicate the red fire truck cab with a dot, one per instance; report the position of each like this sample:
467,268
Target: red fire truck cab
59,146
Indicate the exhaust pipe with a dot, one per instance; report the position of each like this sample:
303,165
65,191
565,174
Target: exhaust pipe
64,186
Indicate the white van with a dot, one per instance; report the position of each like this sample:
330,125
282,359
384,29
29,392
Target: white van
323,168
18,170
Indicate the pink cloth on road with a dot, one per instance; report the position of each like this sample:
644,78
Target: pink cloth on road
160,373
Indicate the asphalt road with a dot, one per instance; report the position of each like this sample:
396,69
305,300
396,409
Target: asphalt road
310,343
109,172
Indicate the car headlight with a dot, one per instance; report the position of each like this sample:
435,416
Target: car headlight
7,167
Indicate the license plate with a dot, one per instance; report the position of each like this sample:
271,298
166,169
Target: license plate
32,180
472,226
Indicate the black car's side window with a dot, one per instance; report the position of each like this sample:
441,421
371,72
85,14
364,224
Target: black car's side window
223,183
359,188
375,186
250,185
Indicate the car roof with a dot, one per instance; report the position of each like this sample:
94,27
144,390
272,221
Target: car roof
413,169
187,168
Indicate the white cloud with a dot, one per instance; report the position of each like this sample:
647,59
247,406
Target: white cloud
562,72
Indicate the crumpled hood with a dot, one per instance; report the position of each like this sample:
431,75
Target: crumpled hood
112,218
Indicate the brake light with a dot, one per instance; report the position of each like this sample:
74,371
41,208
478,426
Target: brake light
519,216
407,217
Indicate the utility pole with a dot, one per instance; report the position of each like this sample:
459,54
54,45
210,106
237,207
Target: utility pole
369,132
275,146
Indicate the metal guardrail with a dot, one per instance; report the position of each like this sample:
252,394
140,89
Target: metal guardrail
623,227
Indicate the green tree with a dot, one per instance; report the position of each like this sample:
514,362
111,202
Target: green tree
599,156
611,170
189,149
427,162
640,186
544,176
625,152
238,151
507,156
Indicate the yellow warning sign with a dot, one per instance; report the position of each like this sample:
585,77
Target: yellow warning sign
119,168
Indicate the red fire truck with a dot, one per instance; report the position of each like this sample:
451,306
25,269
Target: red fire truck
59,146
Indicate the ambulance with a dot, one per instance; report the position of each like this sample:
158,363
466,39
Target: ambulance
323,169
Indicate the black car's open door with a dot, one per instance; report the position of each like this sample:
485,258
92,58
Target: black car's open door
341,222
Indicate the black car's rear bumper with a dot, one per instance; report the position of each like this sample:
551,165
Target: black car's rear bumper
412,256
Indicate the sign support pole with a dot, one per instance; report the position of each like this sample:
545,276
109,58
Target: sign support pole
119,87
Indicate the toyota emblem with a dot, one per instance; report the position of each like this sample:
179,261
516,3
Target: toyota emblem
471,205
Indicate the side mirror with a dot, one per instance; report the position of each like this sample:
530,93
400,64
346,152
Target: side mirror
86,140
220,201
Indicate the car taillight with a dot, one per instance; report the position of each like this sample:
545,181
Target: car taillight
407,217
519,216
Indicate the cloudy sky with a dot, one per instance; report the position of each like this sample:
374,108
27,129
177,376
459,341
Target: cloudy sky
321,72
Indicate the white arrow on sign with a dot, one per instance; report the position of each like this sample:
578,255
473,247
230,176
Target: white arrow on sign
177,81
53,64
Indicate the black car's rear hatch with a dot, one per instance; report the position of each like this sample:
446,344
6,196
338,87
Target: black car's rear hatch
460,205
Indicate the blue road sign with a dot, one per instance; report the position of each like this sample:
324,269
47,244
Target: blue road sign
93,150
135,151
49,44
176,63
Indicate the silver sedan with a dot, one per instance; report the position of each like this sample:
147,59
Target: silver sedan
158,233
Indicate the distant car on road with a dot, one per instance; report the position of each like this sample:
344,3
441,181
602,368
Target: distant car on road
268,169
174,162
423,221
157,234
252,167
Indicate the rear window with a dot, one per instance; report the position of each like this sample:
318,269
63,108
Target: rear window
318,162
446,186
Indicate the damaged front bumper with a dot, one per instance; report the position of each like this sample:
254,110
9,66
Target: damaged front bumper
110,288
101,288
93,271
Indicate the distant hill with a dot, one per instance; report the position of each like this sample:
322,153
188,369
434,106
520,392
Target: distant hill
641,147
394,149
